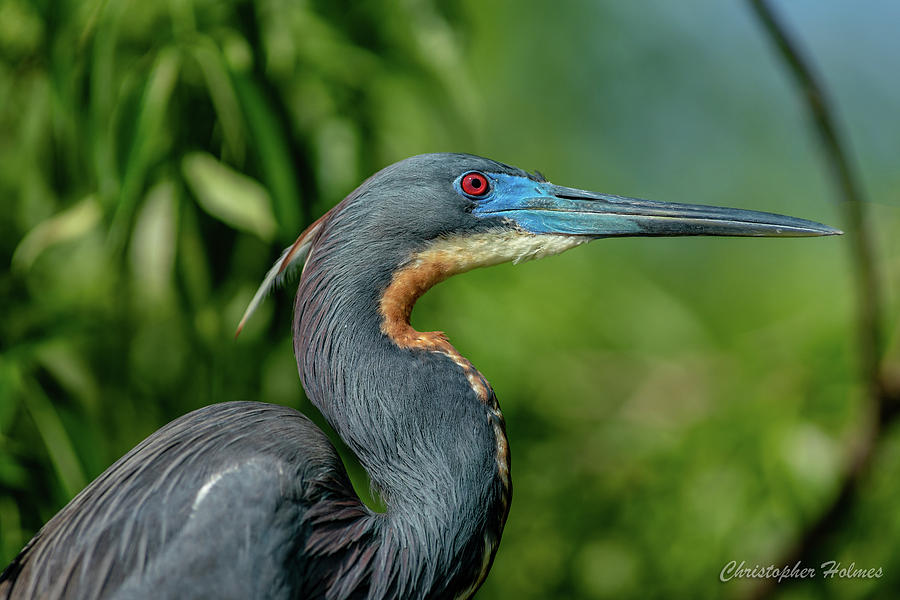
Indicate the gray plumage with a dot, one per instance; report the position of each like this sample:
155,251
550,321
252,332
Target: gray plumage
203,502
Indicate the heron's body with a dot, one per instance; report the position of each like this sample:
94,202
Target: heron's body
169,510
235,500
246,500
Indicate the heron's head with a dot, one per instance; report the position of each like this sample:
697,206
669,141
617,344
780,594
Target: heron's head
487,212
434,215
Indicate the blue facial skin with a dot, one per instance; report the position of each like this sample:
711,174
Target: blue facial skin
534,207
544,208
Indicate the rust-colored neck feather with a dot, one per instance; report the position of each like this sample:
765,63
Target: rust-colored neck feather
441,260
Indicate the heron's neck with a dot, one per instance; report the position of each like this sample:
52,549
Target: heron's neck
422,420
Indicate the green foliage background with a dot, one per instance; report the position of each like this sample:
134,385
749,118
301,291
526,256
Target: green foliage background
672,404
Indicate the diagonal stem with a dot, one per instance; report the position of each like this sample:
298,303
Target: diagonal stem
850,192
882,399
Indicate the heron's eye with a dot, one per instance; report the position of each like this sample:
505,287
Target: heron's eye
475,184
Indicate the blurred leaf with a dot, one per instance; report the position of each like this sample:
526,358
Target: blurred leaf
56,439
229,196
66,226
223,96
273,155
21,30
153,244
70,371
10,391
12,474
13,537
192,260
148,137
104,89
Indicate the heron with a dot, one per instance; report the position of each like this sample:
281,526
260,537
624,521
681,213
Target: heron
251,500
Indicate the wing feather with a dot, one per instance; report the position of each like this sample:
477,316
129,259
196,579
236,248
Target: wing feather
294,255
147,525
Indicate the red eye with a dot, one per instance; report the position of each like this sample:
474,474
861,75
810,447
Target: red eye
475,184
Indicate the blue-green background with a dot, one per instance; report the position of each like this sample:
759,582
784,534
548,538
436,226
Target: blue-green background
672,404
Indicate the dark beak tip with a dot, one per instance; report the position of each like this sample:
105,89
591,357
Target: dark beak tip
826,230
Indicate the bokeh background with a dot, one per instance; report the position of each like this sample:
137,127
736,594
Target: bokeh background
672,404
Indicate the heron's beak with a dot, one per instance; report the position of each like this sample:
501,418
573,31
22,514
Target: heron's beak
548,208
